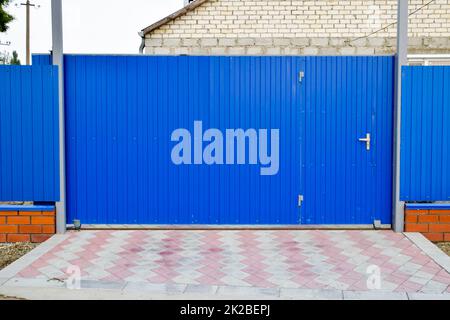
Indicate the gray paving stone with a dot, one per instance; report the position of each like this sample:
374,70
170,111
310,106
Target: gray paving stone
35,283
169,289
434,287
308,294
237,291
201,289
424,296
3,280
374,295
92,284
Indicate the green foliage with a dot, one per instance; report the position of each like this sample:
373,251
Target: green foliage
5,17
15,59
6,58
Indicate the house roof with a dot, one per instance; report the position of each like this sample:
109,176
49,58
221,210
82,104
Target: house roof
173,16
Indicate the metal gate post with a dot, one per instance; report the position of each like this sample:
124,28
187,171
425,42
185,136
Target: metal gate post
58,59
402,60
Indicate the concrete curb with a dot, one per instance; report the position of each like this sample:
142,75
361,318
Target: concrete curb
17,266
95,290
430,250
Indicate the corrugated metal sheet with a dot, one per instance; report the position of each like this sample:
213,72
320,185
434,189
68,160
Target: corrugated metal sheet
121,112
29,149
425,134
346,98
41,59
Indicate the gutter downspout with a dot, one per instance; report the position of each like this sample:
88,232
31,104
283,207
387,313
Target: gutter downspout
142,46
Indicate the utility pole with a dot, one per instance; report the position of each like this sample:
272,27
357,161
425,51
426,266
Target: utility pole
28,5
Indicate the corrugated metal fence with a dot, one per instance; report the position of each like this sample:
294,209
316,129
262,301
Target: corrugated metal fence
29,149
425,134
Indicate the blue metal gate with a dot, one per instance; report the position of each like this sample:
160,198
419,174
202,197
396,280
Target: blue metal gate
123,115
345,180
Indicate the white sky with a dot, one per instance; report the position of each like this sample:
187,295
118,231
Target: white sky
90,26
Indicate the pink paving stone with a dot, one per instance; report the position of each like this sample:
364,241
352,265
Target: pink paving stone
397,279
111,278
301,281
40,263
215,263
119,272
259,282
315,285
378,261
206,270
432,264
389,267
360,285
442,274
344,269
298,268
208,281
254,264
423,261
307,273
355,276
429,270
167,273
89,255
350,281
409,286
30,272
159,279
123,274
372,251
81,263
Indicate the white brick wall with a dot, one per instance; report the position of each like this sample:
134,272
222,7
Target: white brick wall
227,26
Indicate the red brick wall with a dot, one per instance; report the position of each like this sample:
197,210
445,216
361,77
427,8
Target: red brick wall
27,226
433,224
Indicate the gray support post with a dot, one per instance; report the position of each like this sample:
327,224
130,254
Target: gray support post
58,59
401,60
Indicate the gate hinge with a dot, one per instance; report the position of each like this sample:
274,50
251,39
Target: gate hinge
300,201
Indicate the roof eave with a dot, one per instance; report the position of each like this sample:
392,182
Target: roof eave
173,16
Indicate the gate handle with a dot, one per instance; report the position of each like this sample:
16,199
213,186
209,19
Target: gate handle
367,140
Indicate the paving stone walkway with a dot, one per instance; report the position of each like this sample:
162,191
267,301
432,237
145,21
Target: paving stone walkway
222,260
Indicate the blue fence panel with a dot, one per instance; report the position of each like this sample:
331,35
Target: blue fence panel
425,147
29,148
41,59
